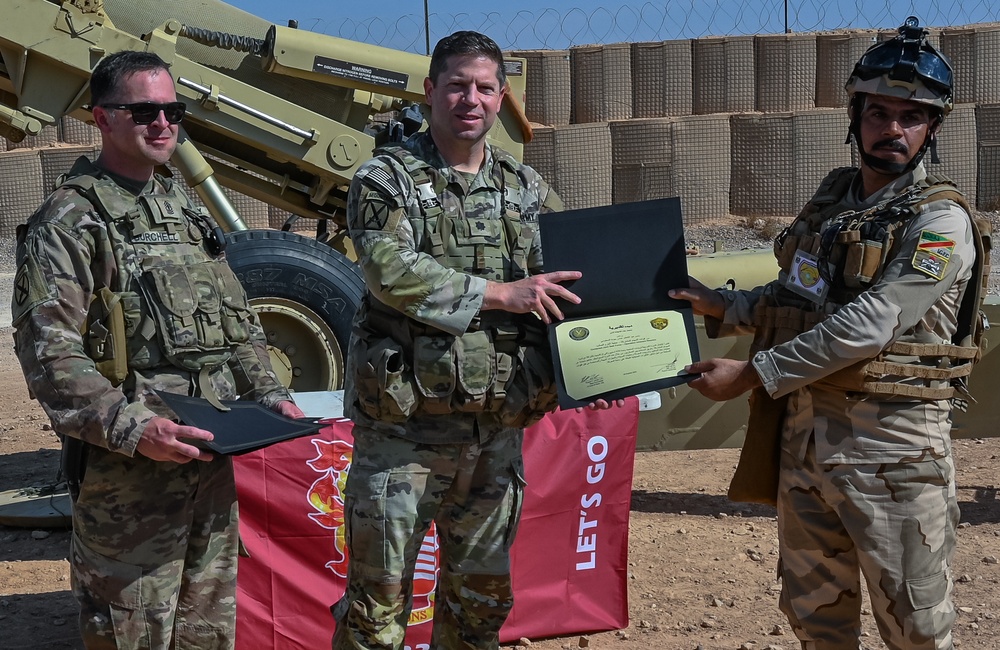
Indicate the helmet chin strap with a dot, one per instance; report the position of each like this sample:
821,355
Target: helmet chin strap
887,167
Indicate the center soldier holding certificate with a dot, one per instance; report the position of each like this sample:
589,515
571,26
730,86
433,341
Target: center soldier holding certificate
447,362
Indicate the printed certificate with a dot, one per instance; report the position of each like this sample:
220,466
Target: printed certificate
609,353
627,335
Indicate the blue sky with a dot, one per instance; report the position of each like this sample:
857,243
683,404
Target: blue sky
557,24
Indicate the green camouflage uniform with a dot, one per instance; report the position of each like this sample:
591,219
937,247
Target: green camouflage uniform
154,543
867,481
445,447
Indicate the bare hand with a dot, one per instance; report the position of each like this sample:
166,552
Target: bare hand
289,409
601,404
704,301
533,294
723,379
162,440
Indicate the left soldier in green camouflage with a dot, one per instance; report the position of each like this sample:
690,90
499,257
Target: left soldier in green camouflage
869,331
122,289
446,363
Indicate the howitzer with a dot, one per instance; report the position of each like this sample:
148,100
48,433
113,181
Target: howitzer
287,116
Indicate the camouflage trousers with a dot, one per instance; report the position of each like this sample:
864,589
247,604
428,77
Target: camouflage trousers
395,489
894,523
153,556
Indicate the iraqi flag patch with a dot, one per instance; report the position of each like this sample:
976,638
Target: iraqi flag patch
933,254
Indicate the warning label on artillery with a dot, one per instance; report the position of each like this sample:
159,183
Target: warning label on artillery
358,72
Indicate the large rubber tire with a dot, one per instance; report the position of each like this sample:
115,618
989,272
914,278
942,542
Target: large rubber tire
306,294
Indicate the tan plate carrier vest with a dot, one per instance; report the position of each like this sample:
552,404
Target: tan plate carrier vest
853,252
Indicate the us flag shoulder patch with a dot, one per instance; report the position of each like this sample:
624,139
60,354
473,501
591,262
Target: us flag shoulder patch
380,179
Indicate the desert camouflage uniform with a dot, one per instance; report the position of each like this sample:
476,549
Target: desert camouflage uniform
154,544
868,482
463,471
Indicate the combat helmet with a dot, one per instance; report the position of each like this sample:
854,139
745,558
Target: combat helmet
906,67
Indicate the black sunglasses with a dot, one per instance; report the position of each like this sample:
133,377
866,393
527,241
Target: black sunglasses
147,112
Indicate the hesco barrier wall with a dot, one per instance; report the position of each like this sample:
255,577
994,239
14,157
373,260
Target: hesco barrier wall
736,125
56,161
29,171
48,137
663,157
957,150
21,189
975,53
549,81
723,74
988,135
575,159
664,71
785,65
601,82
776,120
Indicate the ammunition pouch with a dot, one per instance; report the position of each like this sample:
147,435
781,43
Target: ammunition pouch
864,257
786,246
776,324
383,380
140,332
200,312
478,372
104,335
453,374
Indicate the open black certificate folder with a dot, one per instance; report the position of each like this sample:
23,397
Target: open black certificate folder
247,425
627,336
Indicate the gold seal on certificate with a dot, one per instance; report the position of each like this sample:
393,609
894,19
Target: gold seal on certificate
626,335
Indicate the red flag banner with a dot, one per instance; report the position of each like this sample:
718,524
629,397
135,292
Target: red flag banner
569,558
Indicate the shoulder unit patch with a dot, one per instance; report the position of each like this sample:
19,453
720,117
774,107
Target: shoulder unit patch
933,254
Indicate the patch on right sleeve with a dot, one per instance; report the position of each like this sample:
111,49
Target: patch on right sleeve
375,211
30,289
379,179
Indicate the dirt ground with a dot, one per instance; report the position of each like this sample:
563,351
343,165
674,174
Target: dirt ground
701,568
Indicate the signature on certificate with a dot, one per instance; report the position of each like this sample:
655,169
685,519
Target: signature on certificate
663,368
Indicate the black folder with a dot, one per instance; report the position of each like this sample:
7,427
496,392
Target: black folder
630,255
247,425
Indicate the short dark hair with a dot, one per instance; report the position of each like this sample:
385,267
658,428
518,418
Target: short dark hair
109,75
466,42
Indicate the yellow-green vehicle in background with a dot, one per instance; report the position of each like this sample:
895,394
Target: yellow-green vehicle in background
287,116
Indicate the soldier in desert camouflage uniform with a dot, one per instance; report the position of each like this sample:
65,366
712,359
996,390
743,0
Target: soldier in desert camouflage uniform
122,289
443,374
862,340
